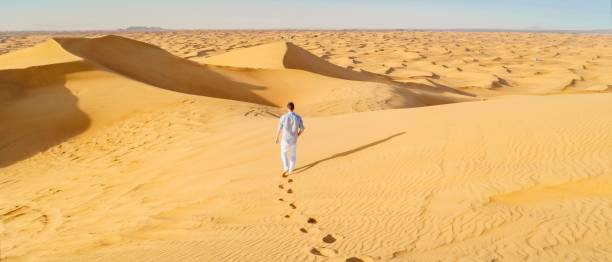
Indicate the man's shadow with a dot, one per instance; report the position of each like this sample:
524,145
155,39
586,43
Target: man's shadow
346,153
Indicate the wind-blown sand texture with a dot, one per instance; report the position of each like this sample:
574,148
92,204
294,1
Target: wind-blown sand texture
419,146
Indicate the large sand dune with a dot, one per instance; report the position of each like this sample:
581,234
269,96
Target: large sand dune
114,149
153,66
284,55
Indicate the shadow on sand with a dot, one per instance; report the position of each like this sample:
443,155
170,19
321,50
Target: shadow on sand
346,153
37,110
154,66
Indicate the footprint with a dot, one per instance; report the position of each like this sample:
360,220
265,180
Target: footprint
303,230
28,220
329,239
281,186
248,113
290,180
288,200
326,252
289,191
292,205
311,220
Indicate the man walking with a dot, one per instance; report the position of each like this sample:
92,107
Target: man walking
292,127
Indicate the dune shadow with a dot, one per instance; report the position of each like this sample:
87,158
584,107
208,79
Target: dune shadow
439,88
346,153
298,58
410,93
154,66
444,88
37,110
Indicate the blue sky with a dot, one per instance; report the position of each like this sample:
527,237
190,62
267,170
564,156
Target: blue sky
305,14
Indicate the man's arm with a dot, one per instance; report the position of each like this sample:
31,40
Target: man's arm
301,127
277,136
278,130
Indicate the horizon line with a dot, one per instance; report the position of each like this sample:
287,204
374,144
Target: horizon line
161,29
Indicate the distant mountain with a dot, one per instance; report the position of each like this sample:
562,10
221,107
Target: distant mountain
603,31
142,28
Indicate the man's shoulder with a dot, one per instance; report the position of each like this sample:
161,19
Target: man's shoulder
292,115
297,117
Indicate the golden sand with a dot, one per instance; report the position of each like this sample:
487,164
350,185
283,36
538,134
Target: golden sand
419,146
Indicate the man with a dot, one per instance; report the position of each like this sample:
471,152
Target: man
292,127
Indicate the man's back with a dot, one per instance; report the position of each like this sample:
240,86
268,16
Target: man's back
290,124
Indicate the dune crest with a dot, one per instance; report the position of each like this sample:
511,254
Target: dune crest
293,74
48,52
283,55
154,66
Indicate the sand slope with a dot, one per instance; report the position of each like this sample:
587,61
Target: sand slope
46,104
318,79
117,150
283,55
449,182
49,52
286,68
69,75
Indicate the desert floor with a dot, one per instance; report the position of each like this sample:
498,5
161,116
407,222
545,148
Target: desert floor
419,146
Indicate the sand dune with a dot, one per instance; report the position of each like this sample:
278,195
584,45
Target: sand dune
279,64
268,86
152,65
283,55
49,52
64,67
115,149
511,56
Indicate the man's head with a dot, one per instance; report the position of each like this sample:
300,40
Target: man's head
290,106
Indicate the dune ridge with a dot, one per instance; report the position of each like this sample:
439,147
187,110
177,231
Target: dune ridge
283,55
153,66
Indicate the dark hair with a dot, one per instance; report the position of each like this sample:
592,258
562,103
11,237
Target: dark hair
290,106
